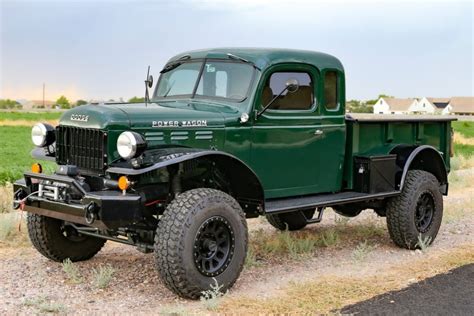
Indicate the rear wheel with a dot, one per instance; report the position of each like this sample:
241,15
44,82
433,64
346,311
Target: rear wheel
291,221
417,212
58,242
202,235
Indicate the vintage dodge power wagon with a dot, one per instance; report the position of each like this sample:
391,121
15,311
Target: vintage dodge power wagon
229,134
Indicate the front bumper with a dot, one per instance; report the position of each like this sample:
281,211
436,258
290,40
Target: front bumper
107,209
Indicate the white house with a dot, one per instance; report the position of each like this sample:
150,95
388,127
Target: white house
394,105
431,106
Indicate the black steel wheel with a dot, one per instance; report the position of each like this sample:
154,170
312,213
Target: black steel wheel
201,239
214,246
417,211
424,213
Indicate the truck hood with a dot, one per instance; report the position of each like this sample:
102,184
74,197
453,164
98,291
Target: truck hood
154,115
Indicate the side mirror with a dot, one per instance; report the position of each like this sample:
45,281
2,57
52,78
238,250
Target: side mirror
292,85
150,81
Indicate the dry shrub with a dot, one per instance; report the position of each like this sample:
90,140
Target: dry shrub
13,230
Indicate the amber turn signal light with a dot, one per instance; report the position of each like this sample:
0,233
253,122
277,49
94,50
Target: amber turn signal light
123,183
36,168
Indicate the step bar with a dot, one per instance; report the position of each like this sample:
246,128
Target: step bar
285,205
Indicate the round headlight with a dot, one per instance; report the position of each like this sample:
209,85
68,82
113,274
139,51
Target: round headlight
130,145
42,135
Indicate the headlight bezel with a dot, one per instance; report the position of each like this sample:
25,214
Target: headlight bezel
43,135
130,145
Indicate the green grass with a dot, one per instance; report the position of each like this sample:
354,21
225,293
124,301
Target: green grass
464,128
29,116
463,150
15,157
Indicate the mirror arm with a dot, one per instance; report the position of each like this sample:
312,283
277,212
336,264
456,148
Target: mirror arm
271,102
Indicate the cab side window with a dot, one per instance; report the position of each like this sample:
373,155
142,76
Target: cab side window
302,99
330,90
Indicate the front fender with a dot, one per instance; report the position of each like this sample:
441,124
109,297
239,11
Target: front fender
245,185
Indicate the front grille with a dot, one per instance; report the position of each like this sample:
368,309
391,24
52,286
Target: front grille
82,147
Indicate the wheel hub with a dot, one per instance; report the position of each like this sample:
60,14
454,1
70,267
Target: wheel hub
424,213
213,246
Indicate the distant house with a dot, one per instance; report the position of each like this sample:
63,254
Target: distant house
39,104
431,106
394,105
462,105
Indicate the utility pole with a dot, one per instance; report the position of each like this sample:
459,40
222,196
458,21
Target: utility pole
43,94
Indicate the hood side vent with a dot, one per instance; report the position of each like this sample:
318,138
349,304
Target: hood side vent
204,135
154,136
181,135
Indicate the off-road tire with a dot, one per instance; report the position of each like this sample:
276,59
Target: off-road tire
290,221
176,237
401,210
48,238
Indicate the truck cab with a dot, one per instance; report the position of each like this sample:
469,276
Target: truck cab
229,134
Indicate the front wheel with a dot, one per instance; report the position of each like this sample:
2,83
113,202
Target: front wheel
57,241
202,235
417,212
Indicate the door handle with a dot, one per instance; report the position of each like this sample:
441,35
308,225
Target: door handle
318,132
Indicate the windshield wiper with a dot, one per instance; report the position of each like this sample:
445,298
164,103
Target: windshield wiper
170,67
232,56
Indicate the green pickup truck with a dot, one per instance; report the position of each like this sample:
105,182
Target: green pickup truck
229,134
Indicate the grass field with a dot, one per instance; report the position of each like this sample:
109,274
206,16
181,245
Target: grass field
465,128
15,148
16,145
29,116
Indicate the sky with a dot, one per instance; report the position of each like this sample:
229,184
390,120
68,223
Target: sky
100,49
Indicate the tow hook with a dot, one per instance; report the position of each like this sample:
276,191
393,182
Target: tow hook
18,198
91,213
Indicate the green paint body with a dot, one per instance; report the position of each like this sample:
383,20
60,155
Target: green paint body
279,146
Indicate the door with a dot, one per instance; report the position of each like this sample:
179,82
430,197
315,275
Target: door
297,145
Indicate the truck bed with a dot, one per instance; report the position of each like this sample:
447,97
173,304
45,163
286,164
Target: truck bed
371,135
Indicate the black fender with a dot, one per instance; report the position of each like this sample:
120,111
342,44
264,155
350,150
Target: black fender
245,184
423,157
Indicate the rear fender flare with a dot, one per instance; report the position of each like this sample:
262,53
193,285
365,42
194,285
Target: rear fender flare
425,158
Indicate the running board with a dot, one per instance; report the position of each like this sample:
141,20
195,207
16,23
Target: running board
321,200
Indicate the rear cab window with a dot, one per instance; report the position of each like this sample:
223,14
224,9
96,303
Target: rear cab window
331,90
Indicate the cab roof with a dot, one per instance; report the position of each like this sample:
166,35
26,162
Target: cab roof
265,57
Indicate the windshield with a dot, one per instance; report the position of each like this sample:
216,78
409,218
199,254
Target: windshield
221,79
